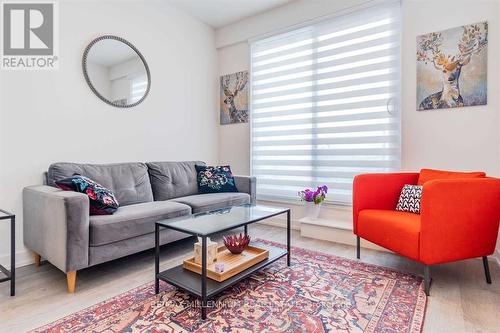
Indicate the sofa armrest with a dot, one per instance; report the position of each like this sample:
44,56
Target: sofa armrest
247,184
56,226
459,218
378,191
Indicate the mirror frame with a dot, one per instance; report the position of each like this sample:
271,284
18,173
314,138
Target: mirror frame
89,82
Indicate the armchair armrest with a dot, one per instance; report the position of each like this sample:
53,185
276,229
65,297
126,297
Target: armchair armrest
460,219
378,191
247,184
56,226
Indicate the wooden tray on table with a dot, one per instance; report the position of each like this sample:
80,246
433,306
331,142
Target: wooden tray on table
233,263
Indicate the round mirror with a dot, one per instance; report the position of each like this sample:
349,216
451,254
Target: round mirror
116,71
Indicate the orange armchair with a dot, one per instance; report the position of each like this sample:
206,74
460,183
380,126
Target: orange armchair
459,217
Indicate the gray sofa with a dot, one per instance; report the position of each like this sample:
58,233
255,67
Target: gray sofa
57,225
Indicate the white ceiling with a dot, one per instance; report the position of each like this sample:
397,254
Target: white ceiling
218,13
110,52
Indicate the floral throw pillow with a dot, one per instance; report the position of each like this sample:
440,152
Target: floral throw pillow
215,179
102,201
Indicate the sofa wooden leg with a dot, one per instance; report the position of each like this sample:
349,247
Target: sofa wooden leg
427,280
38,259
71,279
487,270
358,249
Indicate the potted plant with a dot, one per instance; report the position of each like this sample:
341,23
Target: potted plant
313,200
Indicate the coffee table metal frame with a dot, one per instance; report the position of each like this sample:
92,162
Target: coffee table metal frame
10,275
201,286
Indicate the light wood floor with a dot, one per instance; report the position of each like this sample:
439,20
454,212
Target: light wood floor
460,300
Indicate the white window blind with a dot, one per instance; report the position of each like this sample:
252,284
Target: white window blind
325,104
138,87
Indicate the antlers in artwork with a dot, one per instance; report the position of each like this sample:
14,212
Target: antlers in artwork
241,81
474,39
225,84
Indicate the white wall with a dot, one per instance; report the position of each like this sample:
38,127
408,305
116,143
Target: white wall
234,139
460,139
47,117
281,17
99,75
122,75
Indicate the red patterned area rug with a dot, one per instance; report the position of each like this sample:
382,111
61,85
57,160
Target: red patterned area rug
318,293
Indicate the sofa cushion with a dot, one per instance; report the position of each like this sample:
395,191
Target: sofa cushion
128,181
393,230
212,201
215,179
173,179
102,201
431,174
133,220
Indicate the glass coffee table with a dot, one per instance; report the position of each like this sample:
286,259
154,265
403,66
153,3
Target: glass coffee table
204,225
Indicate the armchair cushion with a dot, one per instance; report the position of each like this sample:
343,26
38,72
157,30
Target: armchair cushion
394,230
378,191
431,174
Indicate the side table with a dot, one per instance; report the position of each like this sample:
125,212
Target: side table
10,275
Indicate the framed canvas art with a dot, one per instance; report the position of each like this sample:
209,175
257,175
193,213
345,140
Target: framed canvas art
452,67
234,98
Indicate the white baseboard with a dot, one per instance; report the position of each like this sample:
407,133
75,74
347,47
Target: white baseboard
324,229
337,231
496,256
23,258
280,222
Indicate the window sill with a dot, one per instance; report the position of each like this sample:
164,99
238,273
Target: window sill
297,203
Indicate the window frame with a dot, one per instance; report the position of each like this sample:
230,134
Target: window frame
397,98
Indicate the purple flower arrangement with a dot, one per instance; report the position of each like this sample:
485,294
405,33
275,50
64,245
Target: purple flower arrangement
317,196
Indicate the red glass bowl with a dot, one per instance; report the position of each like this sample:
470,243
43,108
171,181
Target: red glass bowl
236,243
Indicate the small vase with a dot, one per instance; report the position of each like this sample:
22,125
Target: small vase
312,210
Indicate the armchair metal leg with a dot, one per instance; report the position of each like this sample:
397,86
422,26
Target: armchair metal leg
358,250
487,270
427,280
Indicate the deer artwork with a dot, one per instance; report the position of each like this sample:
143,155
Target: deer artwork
241,79
473,40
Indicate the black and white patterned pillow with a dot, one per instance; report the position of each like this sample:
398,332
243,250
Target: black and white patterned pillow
409,199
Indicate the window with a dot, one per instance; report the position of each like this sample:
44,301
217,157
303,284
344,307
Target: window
325,104
138,87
